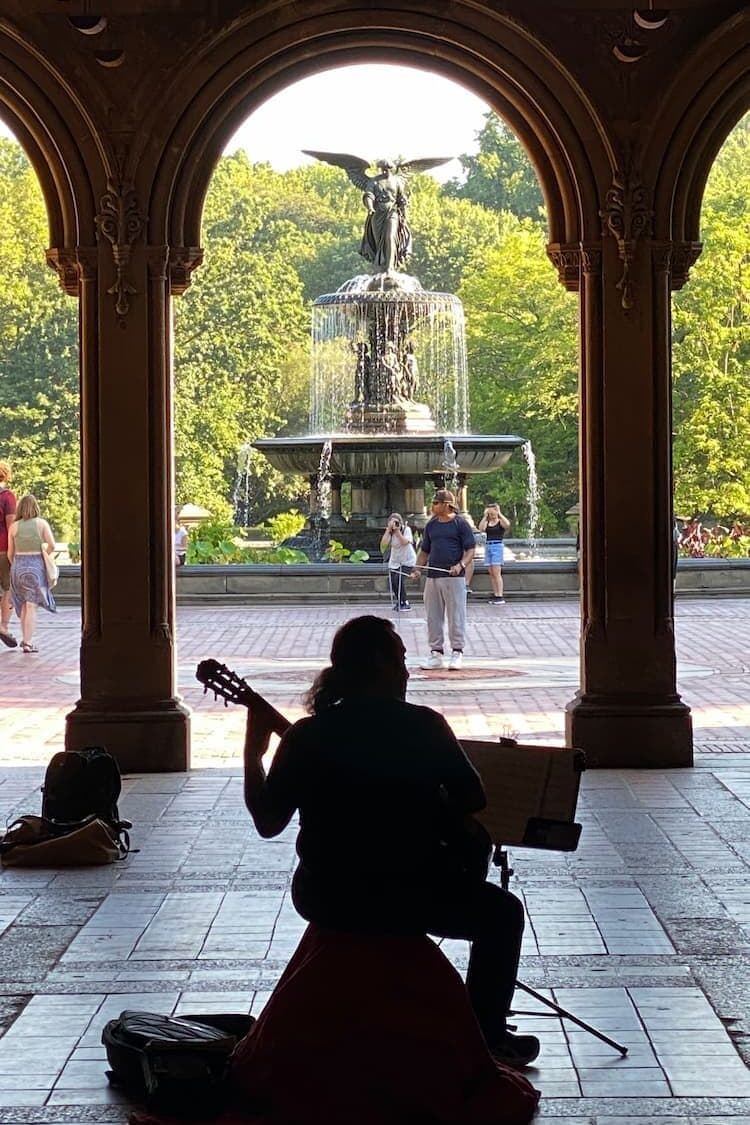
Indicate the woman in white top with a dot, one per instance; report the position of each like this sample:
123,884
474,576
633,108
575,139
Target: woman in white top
28,536
398,537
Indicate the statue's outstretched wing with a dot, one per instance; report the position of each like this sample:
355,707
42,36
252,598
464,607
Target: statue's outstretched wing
422,165
354,166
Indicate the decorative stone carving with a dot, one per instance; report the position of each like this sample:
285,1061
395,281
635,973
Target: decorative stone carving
182,261
661,255
675,258
627,217
684,257
566,258
121,222
64,261
591,257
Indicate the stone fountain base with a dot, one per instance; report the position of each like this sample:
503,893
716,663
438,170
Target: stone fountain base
387,473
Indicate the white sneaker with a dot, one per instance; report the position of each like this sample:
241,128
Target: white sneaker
434,660
456,661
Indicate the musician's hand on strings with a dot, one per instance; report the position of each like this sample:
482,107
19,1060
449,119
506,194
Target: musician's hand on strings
262,722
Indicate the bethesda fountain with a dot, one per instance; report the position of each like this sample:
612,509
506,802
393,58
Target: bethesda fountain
389,405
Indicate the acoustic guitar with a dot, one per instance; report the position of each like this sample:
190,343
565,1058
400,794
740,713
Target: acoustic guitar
231,687
466,844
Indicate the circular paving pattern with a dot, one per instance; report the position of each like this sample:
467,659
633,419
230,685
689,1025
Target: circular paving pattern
477,674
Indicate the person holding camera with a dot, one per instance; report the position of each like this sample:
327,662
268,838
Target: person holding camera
399,541
494,524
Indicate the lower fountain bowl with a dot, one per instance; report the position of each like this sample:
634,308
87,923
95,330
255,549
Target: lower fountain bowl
365,455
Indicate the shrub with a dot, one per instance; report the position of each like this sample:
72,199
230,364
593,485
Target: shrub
284,525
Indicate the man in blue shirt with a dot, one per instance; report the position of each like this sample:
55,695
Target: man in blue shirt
446,550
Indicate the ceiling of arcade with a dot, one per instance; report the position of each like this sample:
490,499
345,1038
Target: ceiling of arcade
135,99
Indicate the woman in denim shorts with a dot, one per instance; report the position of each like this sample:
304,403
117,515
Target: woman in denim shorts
494,524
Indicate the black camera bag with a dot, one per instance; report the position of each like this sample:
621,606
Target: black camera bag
176,1064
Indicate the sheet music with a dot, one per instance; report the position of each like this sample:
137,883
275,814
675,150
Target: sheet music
522,781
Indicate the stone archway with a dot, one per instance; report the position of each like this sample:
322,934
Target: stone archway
124,156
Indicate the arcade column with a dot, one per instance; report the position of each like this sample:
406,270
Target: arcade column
128,697
628,711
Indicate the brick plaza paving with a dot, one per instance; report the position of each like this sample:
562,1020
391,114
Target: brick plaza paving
645,930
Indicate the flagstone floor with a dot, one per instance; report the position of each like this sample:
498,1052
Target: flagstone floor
644,931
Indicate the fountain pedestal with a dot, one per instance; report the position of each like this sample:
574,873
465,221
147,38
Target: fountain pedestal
389,397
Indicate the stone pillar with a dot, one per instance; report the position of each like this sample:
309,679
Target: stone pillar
627,711
360,498
414,498
462,496
128,702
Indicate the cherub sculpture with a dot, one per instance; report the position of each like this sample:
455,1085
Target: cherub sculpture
386,241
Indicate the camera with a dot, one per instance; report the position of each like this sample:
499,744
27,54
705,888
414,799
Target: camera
397,525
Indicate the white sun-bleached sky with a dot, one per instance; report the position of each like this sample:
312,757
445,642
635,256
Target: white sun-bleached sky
371,111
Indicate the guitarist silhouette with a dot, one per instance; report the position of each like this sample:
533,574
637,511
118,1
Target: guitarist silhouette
383,791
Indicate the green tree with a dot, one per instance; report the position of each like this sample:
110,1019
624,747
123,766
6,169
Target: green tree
711,361
500,176
38,353
239,345
523,372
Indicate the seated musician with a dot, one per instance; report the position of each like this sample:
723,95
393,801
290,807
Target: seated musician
383,790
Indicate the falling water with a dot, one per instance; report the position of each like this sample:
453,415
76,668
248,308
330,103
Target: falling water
532,495
242,486
322,517
450,465
357,315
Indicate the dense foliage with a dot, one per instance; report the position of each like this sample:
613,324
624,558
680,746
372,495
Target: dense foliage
274,241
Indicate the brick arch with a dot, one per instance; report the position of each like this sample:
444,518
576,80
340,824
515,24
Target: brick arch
484,52
54,131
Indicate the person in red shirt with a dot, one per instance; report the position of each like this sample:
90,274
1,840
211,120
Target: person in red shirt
7,515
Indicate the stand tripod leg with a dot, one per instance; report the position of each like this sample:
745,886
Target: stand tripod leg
500,859
573,1019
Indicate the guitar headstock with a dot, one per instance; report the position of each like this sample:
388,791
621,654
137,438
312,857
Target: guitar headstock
222,681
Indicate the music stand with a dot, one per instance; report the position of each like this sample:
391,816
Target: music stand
532,793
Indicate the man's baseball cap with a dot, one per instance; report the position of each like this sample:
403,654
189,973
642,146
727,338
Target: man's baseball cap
444,496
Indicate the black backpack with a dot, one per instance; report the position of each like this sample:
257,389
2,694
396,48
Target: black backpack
176,1064
80,784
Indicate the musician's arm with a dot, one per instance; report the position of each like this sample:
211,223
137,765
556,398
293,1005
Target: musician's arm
270,805
461,783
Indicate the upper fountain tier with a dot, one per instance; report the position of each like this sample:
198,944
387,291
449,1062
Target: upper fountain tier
389,357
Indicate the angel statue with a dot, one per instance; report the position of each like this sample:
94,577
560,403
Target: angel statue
386,241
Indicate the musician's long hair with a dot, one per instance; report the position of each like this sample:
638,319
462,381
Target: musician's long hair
357,648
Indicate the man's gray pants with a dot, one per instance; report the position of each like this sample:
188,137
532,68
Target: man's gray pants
445,598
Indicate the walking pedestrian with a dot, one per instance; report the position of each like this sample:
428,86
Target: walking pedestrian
29,585
7,515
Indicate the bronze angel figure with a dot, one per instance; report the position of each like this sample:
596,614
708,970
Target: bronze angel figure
386,241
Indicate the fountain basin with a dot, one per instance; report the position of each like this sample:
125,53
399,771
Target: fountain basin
379,455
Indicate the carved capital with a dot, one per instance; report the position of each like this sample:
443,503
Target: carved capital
182,261
566,258
591,257
661,256
121,222
88,262
157,258
64,261
627,217
684,257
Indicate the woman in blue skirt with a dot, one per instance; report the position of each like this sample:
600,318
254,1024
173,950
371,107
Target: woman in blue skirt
28,536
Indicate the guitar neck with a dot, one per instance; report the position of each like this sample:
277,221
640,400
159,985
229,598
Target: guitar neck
249,697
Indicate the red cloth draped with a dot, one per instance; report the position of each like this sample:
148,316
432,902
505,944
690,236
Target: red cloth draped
372,1030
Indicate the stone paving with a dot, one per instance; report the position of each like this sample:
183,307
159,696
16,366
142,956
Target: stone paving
644,931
